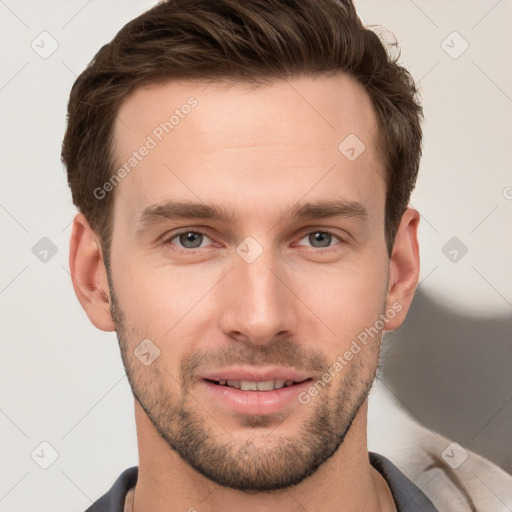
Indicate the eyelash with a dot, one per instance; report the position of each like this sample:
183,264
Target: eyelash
168,241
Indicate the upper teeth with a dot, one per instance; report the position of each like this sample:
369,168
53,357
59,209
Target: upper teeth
265,385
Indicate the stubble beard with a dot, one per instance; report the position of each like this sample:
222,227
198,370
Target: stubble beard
246,465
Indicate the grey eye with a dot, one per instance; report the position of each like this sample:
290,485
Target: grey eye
320,239
191,239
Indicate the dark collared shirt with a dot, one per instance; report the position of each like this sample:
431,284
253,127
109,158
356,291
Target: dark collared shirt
408,497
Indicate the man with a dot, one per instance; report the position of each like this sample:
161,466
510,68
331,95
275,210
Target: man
242,171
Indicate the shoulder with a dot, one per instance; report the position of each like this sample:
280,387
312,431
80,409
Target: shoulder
451,476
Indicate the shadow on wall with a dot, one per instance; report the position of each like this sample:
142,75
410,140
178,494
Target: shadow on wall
454,374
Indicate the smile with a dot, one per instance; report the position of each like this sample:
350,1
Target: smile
265,385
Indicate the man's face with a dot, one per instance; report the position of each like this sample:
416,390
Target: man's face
261,297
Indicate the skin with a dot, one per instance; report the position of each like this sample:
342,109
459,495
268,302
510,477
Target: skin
257,152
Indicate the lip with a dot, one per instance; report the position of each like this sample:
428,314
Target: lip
256,374
255,402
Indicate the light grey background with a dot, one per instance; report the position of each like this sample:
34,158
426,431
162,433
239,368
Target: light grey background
62,381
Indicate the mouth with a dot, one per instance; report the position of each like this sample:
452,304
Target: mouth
255,391
262,385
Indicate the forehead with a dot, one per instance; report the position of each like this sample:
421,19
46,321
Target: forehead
245,145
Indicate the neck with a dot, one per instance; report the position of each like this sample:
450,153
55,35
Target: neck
346,481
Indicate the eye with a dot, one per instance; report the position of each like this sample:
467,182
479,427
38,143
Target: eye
319,239
195,239
189,239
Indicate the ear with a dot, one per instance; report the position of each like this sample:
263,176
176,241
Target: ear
89,275
404,269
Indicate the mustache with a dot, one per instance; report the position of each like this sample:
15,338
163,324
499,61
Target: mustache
280,353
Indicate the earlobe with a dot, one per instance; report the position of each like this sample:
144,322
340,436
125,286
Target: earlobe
404,268
89,275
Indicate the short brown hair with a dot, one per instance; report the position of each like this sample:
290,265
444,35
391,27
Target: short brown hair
246,41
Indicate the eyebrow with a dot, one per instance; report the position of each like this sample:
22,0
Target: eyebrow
174,210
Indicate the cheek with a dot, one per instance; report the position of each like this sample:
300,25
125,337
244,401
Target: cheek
347,300
161,300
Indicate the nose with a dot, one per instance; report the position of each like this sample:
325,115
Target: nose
258,301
